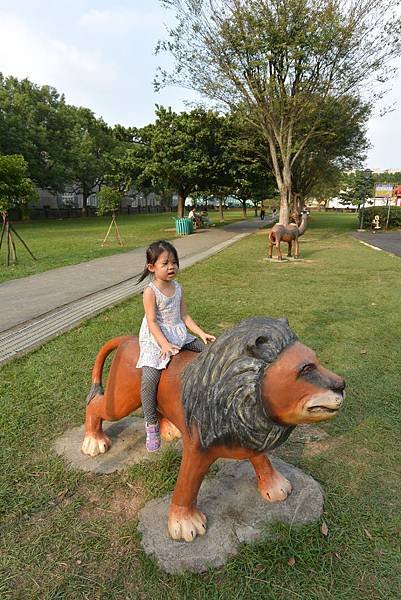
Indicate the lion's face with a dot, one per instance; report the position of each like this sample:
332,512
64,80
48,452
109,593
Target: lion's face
297,389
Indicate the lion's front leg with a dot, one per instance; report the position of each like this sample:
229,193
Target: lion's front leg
185,520
272,486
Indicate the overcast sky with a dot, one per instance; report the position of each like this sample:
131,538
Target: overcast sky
99,53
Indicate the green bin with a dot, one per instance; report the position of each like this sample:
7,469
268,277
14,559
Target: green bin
183,226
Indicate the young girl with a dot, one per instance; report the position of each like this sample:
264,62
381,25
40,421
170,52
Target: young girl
163,331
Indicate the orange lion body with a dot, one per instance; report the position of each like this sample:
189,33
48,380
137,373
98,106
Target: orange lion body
290,398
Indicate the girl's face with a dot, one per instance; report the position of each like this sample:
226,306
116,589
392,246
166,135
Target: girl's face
165,268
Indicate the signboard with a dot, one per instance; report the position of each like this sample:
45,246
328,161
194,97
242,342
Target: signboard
383,190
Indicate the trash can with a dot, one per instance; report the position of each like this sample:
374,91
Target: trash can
183,226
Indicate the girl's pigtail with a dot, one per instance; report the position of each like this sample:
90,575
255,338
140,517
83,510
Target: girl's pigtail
143,275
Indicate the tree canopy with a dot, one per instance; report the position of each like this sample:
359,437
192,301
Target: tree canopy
16,189
282,60
179,151
34,123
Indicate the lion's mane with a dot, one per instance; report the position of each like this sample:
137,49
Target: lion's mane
222,386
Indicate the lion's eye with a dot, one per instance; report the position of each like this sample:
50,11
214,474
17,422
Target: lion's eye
307,369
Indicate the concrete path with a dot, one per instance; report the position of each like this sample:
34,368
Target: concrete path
36,308
388,241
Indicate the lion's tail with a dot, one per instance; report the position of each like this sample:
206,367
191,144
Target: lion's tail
96,387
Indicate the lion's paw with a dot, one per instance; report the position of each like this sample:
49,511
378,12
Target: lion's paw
274,488
186,523
92,446
168,430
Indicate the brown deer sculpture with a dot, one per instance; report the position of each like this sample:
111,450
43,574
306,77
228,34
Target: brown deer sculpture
287,233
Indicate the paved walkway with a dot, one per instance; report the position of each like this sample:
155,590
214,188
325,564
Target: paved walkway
39,307
388,241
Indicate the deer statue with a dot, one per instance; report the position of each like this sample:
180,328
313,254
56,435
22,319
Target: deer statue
287,233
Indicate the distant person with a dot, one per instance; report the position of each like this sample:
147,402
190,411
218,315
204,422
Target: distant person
196,221
206,221
262,213
163,331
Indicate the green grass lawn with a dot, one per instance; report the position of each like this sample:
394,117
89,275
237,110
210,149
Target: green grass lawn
68,534
57,243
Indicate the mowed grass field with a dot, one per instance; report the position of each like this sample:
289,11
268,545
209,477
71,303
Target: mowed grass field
69,534
57,243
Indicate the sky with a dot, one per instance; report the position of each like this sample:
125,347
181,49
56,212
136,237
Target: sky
100,54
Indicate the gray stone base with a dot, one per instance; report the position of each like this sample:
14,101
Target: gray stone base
128,447
236,513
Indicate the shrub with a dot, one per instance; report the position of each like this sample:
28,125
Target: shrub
371,211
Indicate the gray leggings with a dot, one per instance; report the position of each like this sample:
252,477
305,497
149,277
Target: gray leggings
150,381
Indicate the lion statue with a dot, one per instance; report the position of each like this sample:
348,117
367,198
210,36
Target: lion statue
243,395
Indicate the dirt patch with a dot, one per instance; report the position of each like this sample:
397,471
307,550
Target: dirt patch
306,440
225,325
123,505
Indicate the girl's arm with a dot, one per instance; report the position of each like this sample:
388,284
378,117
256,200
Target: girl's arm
149,303
192,326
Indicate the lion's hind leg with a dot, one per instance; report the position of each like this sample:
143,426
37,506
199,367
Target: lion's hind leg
168,430
272,486
95,441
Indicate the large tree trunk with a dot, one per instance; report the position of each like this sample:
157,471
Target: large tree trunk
285,194
85,196
181,204
284,206
221,209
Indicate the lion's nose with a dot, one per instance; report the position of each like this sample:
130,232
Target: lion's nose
340,386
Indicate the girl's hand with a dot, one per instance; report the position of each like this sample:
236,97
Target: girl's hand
168,350
206,337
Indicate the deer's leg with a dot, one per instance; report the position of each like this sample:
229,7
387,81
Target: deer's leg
289,249
272,486
279,256
296,252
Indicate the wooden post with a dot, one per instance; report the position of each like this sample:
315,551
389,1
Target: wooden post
113,222
388,213
22,241
8,231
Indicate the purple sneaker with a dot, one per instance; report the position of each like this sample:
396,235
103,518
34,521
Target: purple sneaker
152,437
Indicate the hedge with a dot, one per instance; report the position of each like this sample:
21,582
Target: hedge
371,211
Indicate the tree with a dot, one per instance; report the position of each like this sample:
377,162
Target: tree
34,123
282,59
239,168
339,144
357,187
93,142
16,190
109,200
178,151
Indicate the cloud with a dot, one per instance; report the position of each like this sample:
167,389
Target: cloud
26,53
119,20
